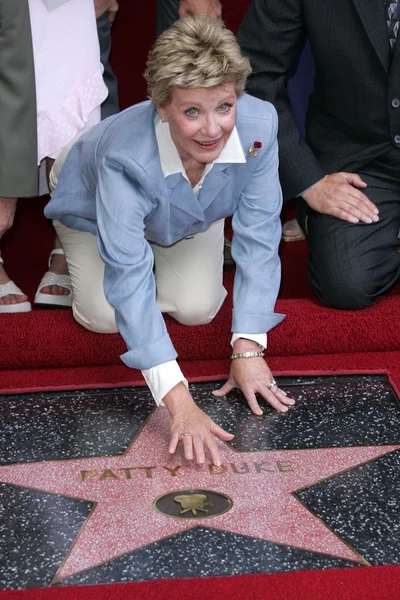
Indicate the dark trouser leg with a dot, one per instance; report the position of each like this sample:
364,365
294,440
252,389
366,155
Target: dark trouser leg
350,266
18,124
110,105
167,13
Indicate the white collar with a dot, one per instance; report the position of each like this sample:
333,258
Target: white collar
171,162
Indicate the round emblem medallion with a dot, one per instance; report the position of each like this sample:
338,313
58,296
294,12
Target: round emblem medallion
193,504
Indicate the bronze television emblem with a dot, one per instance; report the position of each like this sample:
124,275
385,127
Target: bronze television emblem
193,504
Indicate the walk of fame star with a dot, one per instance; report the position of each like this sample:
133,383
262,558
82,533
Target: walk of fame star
124,489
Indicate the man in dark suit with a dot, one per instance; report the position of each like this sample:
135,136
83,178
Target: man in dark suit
347,172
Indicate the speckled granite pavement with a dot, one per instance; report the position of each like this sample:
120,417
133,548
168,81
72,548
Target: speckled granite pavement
89,494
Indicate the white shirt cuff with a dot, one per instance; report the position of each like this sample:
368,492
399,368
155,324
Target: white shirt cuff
258,338
162,378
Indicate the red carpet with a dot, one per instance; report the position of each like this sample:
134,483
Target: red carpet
376,583
44,339
47,350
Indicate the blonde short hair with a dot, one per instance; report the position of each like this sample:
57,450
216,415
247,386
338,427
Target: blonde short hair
195,52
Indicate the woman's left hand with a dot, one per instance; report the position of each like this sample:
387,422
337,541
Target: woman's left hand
252,375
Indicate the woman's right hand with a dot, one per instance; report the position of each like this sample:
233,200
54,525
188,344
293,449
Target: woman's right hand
192,427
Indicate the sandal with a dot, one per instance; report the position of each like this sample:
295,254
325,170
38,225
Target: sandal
10,288
50,278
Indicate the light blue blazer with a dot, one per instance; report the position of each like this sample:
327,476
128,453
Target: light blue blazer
112,185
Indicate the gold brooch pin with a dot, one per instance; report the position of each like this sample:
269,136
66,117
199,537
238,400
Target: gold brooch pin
253,149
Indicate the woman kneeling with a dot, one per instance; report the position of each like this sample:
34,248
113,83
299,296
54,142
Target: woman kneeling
139,208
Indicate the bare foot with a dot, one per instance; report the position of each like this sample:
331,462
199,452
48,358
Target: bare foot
10,298
292,232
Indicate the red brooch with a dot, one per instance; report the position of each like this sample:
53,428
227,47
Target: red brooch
253,149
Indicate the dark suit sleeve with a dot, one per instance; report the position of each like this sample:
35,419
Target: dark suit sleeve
271,35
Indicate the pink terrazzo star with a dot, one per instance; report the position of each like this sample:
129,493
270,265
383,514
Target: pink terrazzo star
125,487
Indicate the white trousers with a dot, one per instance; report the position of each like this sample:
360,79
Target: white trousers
188,278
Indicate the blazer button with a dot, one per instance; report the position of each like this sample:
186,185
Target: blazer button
395,103
397,139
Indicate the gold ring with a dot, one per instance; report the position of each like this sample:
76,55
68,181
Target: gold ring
184,433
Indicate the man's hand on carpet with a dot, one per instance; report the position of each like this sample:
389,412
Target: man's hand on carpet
337,195
200,7
253,376
192,427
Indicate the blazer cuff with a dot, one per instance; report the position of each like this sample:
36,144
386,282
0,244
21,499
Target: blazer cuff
148,356
253,322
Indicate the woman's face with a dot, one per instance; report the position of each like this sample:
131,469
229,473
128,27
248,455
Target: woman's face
201,121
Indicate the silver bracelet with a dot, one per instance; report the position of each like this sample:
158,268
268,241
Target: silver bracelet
247,355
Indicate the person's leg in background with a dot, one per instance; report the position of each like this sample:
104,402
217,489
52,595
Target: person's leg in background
167,13
300,84
110,105
18,131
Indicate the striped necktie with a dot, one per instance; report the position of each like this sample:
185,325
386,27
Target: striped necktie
392,11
